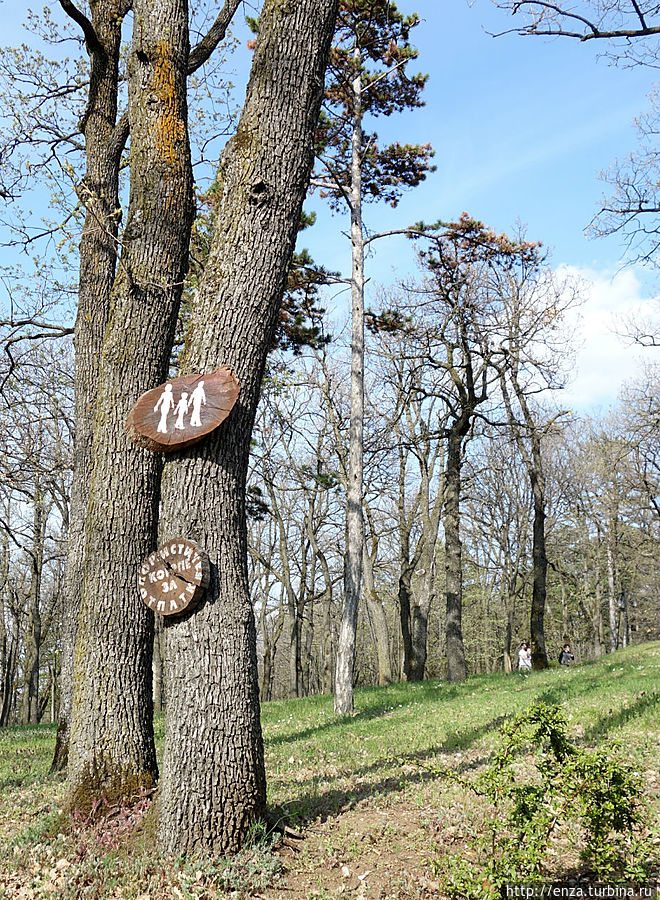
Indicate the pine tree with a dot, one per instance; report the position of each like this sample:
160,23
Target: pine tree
367,79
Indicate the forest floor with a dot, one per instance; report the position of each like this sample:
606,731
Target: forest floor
377,806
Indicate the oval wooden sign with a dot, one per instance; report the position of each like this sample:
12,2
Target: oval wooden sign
173,578
182,411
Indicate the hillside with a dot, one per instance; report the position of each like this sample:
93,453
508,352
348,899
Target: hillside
376,805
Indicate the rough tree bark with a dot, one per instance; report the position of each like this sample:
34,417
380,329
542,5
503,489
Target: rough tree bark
456,665
99,191
30,700
213,785
112,748
539,558
376,613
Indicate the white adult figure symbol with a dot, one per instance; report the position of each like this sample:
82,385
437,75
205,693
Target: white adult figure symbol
166,403
181,409
197,398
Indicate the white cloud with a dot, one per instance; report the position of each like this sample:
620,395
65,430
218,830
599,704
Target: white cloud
606,357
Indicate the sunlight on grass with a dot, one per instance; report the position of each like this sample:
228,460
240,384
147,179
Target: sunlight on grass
321,766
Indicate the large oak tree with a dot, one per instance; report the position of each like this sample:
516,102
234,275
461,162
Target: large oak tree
213,785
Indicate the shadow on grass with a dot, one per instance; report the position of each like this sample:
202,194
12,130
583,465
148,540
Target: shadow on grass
30,780
615,718
571,685
374,710
312,806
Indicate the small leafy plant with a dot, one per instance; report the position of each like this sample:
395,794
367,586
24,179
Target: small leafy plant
538,785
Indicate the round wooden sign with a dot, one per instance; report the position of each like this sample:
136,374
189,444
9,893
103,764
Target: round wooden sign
182,411
173,578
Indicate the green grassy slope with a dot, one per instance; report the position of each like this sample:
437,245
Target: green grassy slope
321,767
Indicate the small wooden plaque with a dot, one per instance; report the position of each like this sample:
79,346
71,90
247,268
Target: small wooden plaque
182,411
173,578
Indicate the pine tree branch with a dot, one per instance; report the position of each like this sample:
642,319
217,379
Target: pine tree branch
408,232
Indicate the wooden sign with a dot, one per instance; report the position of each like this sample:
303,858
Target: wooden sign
182,411
173,578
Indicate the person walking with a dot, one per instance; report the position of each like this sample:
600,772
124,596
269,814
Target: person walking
566,657
524,659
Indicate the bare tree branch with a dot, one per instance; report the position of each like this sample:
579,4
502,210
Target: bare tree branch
91,39
624,19
119,137
203,50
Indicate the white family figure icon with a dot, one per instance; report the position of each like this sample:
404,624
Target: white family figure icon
197,398
180,410
166,403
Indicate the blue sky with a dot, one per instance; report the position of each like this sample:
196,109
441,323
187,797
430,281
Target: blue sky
521,128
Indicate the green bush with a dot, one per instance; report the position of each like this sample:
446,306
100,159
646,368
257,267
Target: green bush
539,784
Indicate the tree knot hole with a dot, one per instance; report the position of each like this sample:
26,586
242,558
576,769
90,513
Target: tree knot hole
259,192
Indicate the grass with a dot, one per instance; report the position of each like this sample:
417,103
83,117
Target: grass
361,788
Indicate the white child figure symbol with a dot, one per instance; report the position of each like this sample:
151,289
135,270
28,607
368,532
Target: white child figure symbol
166,403
197,398
181,409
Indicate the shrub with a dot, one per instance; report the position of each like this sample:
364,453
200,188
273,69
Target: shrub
538,784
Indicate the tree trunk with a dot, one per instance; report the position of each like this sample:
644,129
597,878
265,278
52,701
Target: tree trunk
213,785
623,605
421,610
307,644
30,699
112,748
539,560
508,637
405,618
534,465
327,635
158,666
9,676
52,674
266,692
596,603
327,649
354,513
611,541
269,640
456,665
99,192
378,621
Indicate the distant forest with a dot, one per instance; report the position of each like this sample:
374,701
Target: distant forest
602,525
